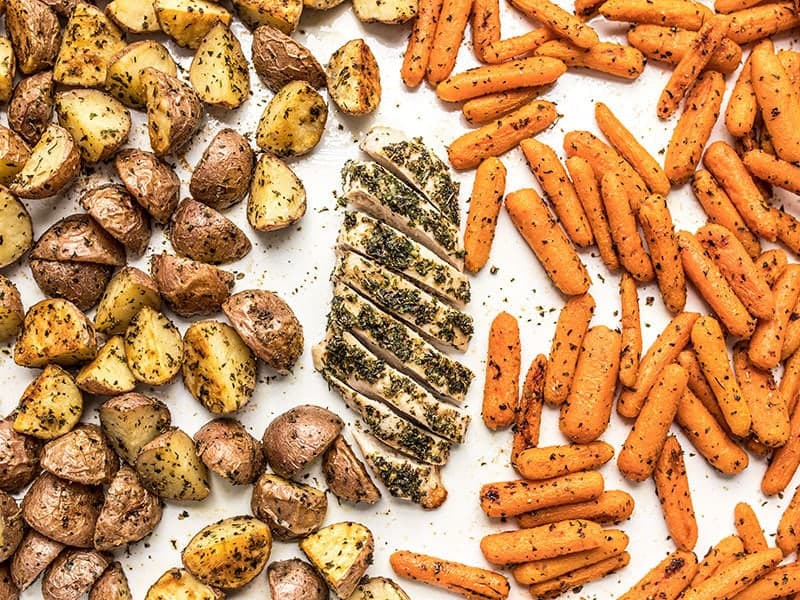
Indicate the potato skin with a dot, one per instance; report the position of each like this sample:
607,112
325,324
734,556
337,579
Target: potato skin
295,579
151,182
278,59
133,420
227,449
32,557
294,439
83,455
80,283
17,227
222,177
31,106
35,34
11,525
112,585
48,174
174,111
19,457
79,238
14,153
205,235
190,288
268,326
62,510
292,510
8,589
72,574
119,215
346,476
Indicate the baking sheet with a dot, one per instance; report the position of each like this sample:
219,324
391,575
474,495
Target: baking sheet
296,264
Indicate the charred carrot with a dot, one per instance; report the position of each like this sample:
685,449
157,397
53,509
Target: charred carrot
748,528
603,57
666,580
470,582
537,543
450,28
631,331
669,45
579,577
767,341
656,222
736,576
493,106
484,207
572,325
613,506
726,551
491,79
511,498
554,461
420,43
685,14
529,416
501,387
779,173
519,45
672,487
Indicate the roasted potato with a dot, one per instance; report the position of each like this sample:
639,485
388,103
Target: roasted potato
31,106
112,585
230,553
189,287
80,283
278,59
205,235
82,455
132,421
33,555
391,13
54,330
90,41
8,67
341,553
227,449
19,457
133,16
123,219
268,326
322,4
130,512
294,120
283,15
294,439
124,73
98,123
378,588
8,589
54,164
17,228
295,579
50,406
219,72
12,527
151,182
354,79
14,153
11,311
179,584
35,34
292,510
174,111
346,475
188,21
72,574
126,294
63,510
169,467
277,196
108,374
153,347
79,238
222,177
219,369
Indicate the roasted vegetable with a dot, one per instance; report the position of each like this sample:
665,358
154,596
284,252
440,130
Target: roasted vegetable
125,295
341,553
55,331
205,235
112,585
189,287
188,21
98,123
179,584
72,574
151,182
173,111
123,219
153,347
11,311
169,467
278,59
347,477
33,555
295,579
14,153
17,228
35,34
277,196
222,177
19,457
133,16
354,79
82,455
11,525
108,374
294,120
227,449
284,15
378,588
50,406
219,72
124,73
292,510
132,421
31,106
54,164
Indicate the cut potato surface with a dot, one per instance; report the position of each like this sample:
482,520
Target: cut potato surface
54,163
380,11
173,111
188,21
219,72
294,120
179,584
50,406
284,15
277,196
153,347
55,331
124,75
35,34
379,588
98,123
354,79
126,294
8,67
132,421
133,16
17,228
108,373
11,311
169,467
341,553
14,153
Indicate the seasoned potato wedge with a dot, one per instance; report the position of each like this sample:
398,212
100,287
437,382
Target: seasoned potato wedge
98,123
188,21
322,4
222,177
205,235
108,374
112,585
219,369
133,16
151,182
283,15
12,526
153,347
179,584
50,406
292,510
14,153
296,438
124,73
294,579
17,228
116,212
79,282
8,589
277,196
227,449
341,553
130,512
72,574
78,238
19,457
31,106
32,557
377,11
354,79
82,455
90,40
170,468
11,311
132,421
379,588
173,111
230,553
8,67
126,294
55,331
278,59
347,477
63,510
294,120
54,163
189,287
35,34
219,72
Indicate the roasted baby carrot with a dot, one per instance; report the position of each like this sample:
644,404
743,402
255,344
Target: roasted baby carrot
513,47
450,28
787,536
603,57
631,331
644,443
759,22
709,345
672,487
788,229
659,232
685,14
484,206
666,580
585,415
767,341
537,543
558,189
729,6
485,25
748,528
529,416
778,583
493,106
470,582
669,44
511,498
669,343
740,114
549,243
713,287
573,322
501,387
490,79
791,336
579,577
613,506
779,173
553,461
770,418
784,462
588,189
789,386
420,42
727,550
694,127
699,386
770,263
736,576
564,24
493,139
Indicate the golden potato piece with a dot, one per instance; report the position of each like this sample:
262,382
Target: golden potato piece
277,196
55,331
126,294
14,153
108,374
50,406
153,347
280,14
35,34
354,79
341,553
170,468
294,120
17,228
132,421
124,73
173,111
8,67
133,16
188,21
99,124
219,72
54,164
179,584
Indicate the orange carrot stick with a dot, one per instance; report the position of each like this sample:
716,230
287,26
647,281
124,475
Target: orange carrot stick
726,551
420,42
613,506
771,263
666,580
770,419
740,115
484,207
501,387
685,14
493,106
748,528
734,577
447,40
554,461
760,22
784,462
789,386
511,498
779,173
656,222
553,588
788,535
631,334
767,341
519,45
470,582
537,543
699,386
572,325
529,416
778,583
604,57
564,24
485,26
670,44
672,487
491,79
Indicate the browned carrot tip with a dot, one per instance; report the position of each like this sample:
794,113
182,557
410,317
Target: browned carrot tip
667,579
